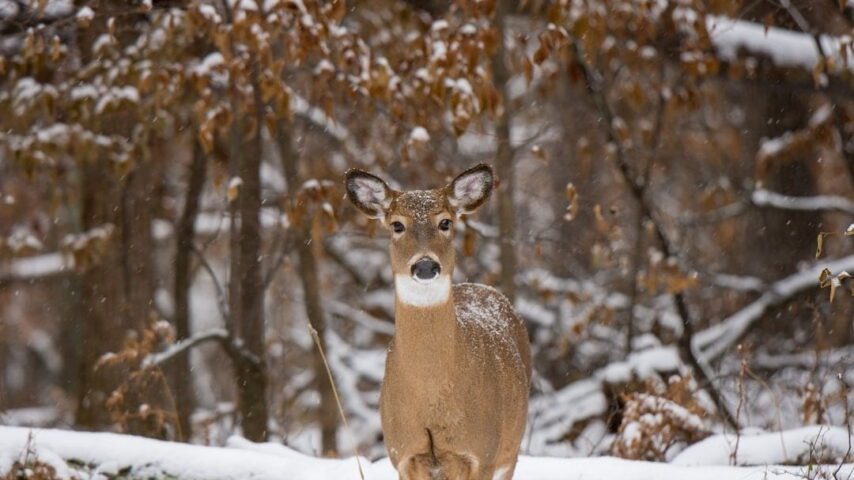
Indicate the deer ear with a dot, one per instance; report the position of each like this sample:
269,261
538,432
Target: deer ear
471,189
368,193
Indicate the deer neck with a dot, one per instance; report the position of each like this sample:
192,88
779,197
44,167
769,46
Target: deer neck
425,321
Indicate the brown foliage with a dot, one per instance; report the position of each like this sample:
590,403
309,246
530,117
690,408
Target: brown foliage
654,423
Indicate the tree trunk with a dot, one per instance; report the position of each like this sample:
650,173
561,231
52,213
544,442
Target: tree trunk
504,157
100,299
182,380
328,413
137,244
251,377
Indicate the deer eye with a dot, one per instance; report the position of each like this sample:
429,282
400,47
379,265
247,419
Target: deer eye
445,225
397,227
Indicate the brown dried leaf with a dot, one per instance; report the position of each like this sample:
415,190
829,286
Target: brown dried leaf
528,70
820,243
233,188
823,278
602,225
572,199
541,54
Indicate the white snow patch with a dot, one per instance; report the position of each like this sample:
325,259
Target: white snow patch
775,448
85,14
419,134
786,48
241,459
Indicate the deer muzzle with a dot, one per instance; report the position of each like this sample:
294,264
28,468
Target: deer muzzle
426,269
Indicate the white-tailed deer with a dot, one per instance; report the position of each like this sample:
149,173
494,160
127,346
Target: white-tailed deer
454,399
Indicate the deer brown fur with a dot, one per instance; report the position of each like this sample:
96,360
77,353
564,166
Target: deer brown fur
455,394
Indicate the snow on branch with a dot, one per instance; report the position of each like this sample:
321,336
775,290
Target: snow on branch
234,347
36,267
715,340
159,358
767,198
786,48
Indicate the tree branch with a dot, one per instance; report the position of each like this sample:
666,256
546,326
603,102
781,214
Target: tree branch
714,341
767,198
234,348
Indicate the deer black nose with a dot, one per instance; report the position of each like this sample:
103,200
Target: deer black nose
426,269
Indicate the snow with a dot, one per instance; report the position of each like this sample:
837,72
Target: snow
58,8
789,447
8,9
209,13
468,29
439,25
37,266
240,459
440,51
486,309
85,14
115,96
22,239
785,47
31,416
642,365
84,92
324,66
419,134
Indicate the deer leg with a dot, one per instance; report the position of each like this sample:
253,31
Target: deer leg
443,466
504,472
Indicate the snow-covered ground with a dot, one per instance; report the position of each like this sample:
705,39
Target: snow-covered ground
106,455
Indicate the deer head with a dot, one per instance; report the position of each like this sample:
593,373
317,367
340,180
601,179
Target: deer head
422,225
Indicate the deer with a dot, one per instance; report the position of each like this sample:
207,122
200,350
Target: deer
454,396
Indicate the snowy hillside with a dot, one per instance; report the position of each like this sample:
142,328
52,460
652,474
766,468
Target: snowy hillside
105,455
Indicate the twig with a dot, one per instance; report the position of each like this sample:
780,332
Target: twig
356,273
221,299
317,343
345,311
776,405
847,414
281,248
733,458
717,215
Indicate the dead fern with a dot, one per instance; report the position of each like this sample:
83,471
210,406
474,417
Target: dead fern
654,423
142,402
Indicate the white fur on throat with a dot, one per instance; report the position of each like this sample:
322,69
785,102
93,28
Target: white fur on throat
418,293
